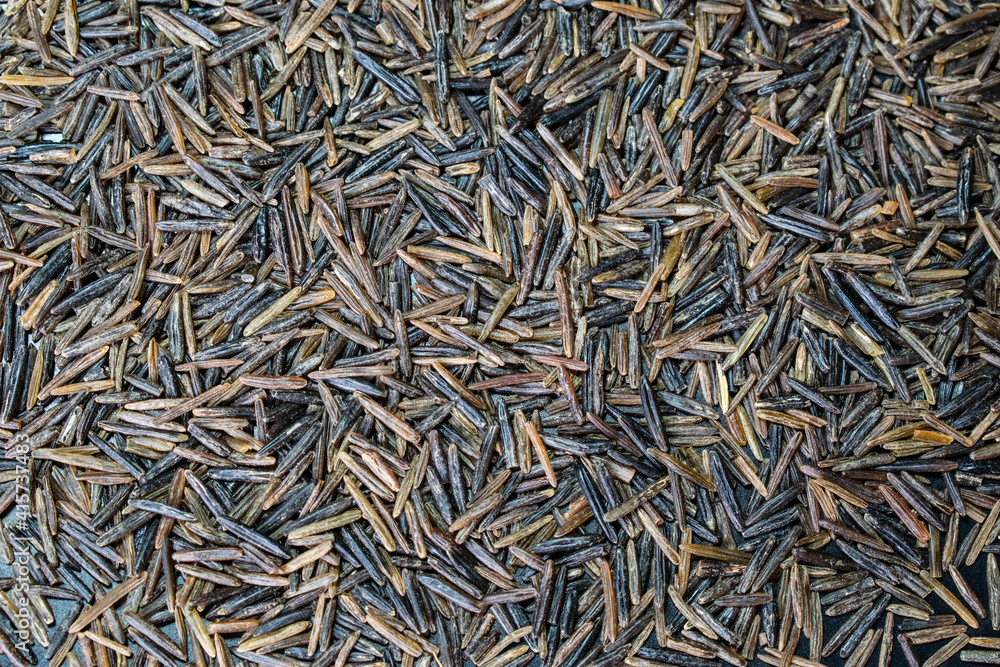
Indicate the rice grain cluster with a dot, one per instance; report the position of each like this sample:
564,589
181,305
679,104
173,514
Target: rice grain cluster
561,333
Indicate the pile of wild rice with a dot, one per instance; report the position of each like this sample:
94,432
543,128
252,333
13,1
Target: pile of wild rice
522,332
